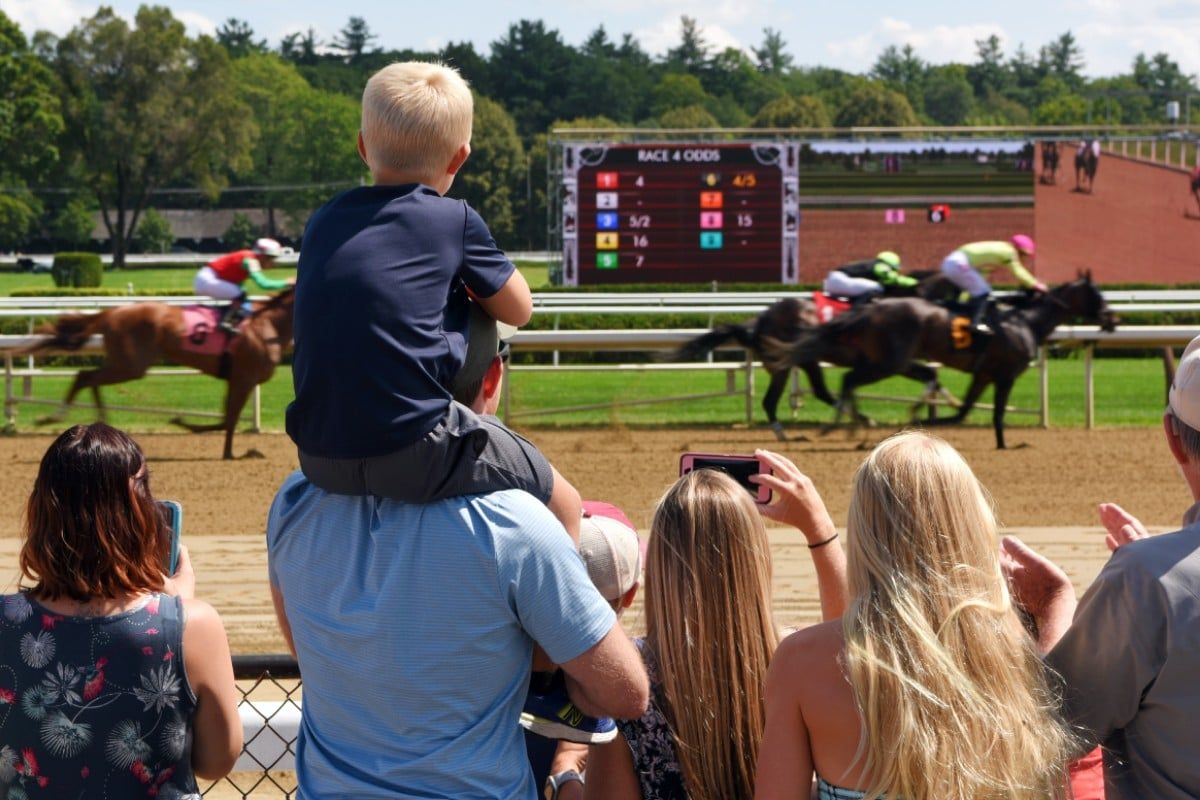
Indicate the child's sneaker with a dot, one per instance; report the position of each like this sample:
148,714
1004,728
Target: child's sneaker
549,712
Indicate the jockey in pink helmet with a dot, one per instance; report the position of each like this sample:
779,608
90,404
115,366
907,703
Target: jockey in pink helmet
967,266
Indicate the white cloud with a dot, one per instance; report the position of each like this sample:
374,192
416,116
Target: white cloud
56,16
938,44
1109,47
196,23
661,37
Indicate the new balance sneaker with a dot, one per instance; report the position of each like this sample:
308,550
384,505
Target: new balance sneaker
549,712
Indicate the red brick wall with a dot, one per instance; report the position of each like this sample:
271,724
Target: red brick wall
831,237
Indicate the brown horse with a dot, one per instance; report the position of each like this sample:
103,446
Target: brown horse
889,337
785,321
138,335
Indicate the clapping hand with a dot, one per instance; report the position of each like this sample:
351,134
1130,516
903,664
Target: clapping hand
1121,526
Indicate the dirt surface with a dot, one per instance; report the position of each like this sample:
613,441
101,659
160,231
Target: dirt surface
1138,224
1046,488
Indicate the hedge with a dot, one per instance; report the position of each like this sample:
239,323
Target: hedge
77,269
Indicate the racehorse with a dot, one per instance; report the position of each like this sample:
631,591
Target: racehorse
1049,176
141,334
1087,159
888,336
784,321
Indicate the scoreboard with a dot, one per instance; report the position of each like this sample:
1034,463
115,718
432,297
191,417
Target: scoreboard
639,213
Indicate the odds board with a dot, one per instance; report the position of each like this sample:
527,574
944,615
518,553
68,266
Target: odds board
680,213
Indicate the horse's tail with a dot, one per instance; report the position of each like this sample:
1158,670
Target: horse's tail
70,332
703,345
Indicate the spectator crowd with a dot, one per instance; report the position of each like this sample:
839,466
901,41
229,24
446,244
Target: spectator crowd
455,607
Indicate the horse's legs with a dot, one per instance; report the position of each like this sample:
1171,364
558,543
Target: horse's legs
860,375
927,375
979,383
771,401
816,379
93,379
1004,386
235,401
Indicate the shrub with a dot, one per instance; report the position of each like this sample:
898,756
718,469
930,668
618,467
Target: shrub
77,269
241,233
153,233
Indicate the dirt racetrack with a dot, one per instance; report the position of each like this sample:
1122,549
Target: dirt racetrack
1046,490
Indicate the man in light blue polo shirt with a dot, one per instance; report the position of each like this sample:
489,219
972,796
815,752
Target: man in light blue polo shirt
414,627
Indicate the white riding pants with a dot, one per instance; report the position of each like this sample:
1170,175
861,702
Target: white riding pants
839,284
957,268
208,283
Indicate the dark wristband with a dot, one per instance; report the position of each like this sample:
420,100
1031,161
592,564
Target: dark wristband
823,542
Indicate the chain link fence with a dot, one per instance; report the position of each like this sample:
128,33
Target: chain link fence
270,709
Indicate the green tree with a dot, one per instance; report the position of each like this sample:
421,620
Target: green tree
355,39
988,75
1063,58
676,90
30,124
237,37
1065,109
533,73
773,57
72,226
153,233
301,48
497,172
305,136
694,116
948,96
872,105
146,107
903,70
241,232
792,112
691,54
1161,76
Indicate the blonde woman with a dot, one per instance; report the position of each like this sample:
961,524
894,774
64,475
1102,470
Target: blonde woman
710,636
928,687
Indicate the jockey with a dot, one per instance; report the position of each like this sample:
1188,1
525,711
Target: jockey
967,265
222,278
864,279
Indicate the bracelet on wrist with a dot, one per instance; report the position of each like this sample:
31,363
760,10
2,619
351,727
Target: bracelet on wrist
823,542
556,782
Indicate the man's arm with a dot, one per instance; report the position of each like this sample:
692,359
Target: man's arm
262,281
281,618
609,679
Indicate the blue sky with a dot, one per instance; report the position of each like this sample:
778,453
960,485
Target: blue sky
847,35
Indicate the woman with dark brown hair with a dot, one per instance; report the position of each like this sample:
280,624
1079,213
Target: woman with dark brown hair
114,680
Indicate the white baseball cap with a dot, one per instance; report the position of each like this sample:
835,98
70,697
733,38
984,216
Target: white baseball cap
610,548
1184,397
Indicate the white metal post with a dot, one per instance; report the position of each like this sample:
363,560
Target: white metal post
10,406
1044,369
1089,385
749,387
257,408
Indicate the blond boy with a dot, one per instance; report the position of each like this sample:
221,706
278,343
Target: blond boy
383,292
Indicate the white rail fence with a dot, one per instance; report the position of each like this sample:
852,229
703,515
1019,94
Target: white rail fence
1088,337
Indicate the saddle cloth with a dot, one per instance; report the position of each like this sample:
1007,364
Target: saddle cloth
200,331
829,307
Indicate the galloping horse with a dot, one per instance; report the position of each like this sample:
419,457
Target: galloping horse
785,321
888,336
139,335
1087,159
1049,176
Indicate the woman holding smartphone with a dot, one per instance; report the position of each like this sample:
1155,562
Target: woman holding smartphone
710,635
114,680
928,686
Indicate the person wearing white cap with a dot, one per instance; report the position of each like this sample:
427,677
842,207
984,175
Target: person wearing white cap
222,278
1129,653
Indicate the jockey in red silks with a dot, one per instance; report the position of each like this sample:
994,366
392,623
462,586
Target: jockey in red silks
222,278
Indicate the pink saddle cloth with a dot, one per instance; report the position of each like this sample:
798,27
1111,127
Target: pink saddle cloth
200,331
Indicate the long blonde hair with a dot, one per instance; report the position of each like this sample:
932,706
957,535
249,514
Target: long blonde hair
954,699
709,626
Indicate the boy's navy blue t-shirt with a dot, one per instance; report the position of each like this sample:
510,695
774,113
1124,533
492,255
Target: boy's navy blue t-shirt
381,316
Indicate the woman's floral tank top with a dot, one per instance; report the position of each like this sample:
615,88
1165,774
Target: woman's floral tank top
94,707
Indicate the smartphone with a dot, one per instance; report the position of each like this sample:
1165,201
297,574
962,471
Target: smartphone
172,513
740,468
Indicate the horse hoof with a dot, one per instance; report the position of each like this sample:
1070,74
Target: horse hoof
252,453
777,429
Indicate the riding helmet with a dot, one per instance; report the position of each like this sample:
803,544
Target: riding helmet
268,247
889,258
1023,244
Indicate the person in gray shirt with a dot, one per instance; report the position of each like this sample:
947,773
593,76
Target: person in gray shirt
1129,652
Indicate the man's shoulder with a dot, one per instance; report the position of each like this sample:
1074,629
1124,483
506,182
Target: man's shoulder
1170,559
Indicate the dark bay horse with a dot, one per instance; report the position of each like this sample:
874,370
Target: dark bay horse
139,335
784,321
1087,160
890,336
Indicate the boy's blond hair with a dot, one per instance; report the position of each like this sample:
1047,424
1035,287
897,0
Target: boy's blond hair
415,116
